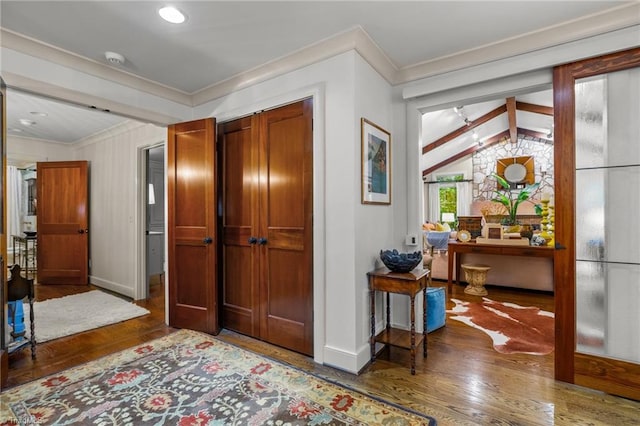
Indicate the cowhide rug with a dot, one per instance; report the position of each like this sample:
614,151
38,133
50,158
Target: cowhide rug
513,328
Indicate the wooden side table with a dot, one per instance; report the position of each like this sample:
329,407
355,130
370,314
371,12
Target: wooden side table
410,284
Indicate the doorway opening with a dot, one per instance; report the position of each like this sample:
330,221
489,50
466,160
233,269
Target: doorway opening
154,218
462,149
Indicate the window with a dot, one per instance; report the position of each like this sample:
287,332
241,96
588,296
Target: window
448,194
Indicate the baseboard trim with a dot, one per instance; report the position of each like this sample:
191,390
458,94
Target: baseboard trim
111,286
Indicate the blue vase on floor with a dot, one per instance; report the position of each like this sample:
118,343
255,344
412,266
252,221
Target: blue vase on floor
16,318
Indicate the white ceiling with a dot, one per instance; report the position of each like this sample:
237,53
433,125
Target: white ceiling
222,39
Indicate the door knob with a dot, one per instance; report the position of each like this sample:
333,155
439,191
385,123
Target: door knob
262,241
207,240
252,240
80,231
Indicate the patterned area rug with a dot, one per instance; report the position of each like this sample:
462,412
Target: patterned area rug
513,328
191,378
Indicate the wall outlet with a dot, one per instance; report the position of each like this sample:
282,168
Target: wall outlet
411,240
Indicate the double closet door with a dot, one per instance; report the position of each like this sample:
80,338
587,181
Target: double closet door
267,203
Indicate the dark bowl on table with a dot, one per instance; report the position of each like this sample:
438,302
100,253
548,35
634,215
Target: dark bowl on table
30,233
400,262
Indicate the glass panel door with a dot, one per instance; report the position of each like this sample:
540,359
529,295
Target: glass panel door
607,176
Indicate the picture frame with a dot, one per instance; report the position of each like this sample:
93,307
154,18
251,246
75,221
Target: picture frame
494,231
376,163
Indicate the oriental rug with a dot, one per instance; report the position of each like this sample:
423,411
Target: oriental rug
513,328
191,378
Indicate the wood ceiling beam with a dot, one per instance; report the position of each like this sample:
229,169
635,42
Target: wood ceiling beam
534,134
491,141
511,114
464,129
510,107
537,109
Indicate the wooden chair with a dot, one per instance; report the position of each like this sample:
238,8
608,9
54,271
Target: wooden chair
19,288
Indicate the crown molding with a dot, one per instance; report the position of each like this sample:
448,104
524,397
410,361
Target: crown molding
126,127
592,25
39,49
83,99
354,39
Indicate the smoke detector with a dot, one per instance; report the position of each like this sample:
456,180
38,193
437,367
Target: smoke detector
114,58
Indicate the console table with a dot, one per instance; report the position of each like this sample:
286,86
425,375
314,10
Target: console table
457,248
410,284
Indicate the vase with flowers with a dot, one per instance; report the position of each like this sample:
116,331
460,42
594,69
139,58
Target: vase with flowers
512,198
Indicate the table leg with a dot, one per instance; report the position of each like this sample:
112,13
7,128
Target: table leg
413,334
424,330
388,311
32,336
450,259
372,339
458,262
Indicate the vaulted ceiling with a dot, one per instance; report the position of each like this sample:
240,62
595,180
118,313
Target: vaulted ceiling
454,133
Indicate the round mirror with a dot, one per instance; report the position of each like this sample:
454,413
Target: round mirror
515,173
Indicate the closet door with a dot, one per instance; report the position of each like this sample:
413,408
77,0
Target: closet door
191,199
240,268
286,213
266,222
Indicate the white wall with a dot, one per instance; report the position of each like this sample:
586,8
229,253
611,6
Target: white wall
27,151
113,208
375,225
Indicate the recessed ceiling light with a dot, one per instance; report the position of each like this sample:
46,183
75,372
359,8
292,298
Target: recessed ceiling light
38,113
171,14
26,122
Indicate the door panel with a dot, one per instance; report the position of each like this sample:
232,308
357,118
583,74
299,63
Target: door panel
191,206
63,240
598,277
286,164
240,224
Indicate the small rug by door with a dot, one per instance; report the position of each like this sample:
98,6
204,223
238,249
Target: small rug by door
513,328
64,316
191,378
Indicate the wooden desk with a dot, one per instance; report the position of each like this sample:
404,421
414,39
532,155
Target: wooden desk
410,283
457,248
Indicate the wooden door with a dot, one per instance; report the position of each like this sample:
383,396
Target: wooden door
267,205
240,273
63,225
597,266
286,229
191,192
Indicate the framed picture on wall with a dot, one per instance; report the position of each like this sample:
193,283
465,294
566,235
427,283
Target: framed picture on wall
376,164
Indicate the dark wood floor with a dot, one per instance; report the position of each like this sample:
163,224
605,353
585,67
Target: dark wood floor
463,382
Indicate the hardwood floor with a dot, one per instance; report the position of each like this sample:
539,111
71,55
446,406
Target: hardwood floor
463,381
